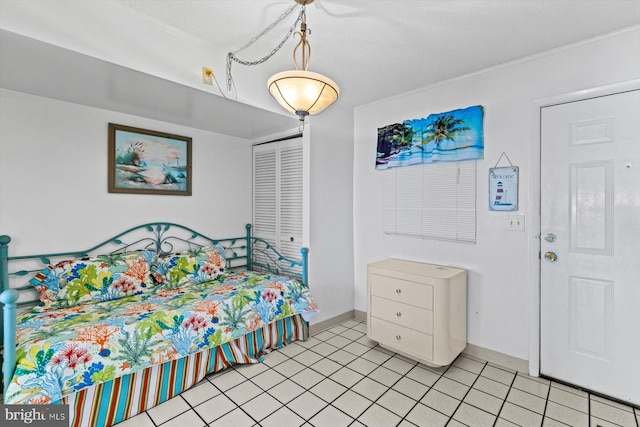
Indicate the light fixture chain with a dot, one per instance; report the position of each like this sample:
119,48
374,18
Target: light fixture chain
232,57
266,30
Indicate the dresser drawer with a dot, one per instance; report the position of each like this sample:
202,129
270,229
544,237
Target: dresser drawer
401,338
406,315
417,294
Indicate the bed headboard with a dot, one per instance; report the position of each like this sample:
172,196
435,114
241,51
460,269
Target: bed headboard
243,252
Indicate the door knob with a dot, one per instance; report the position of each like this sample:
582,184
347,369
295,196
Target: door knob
550,256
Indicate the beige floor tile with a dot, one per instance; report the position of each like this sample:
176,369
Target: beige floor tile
286,391
342,357
250,370
484,401
597,422
377,416
361,327
411,388
167,410
283,417
328,390
618,414
307,358
338,341
140,420
455,423
460,375
215,408
520,416
398,365
351,323
243,392
352,403
202,391
289,367
370,389
608,402
492,387
526,400
352,335
423,376
423,416
396,402
346,377
376,356
550,422
337,329
274,358
229,378
569,399
569,389
498,374
363,366
473,416
310,342
357,348
469,364
324,349
451,387
440,402
324,335
235,418
531,386
501,422
268,379
307,405
385,376
261,406
326,367
291,350
367,342
307,378
566,415
191,419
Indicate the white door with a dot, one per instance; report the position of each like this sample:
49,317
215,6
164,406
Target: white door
278,195
590,244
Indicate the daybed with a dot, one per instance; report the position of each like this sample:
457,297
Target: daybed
138,319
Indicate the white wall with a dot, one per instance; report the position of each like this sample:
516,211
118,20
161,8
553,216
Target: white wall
53,178
499,280
331,213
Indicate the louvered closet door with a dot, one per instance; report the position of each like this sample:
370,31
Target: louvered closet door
278,195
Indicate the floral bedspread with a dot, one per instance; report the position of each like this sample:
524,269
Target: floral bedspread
62,351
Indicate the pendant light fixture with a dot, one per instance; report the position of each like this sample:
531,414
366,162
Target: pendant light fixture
301,91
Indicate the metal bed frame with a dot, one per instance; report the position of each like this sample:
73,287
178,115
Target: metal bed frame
241,253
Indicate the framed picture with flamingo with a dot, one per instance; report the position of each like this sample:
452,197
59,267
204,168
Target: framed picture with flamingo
143,161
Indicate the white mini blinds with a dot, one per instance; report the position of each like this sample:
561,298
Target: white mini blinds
434,201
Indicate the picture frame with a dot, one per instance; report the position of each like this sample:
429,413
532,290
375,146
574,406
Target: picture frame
143,161
503,188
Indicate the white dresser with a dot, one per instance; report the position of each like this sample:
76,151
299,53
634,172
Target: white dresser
418,310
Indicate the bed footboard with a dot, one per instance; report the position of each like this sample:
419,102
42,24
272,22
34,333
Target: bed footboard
8,299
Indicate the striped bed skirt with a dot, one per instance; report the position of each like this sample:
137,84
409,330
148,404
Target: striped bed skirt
112,402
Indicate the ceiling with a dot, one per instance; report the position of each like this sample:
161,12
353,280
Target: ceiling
373,49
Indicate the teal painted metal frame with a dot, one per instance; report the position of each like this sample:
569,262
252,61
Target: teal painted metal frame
241,253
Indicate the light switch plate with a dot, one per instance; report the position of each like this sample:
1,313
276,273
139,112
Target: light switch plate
514,223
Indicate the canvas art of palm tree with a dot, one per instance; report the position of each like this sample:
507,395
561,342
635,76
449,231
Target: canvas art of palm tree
443,137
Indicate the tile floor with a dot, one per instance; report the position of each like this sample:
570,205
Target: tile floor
340,378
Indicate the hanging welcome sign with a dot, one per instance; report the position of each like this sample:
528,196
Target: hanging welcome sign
503,188
451,136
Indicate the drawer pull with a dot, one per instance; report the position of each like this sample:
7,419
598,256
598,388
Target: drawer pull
398,314
398,337
398,291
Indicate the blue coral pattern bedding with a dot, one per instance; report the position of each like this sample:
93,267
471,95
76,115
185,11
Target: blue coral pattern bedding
64,350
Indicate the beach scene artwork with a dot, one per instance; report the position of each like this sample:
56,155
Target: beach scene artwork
149,162
451,136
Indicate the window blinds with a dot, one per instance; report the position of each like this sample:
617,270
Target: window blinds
435,201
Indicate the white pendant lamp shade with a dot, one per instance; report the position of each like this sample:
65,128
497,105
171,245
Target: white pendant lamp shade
303,92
